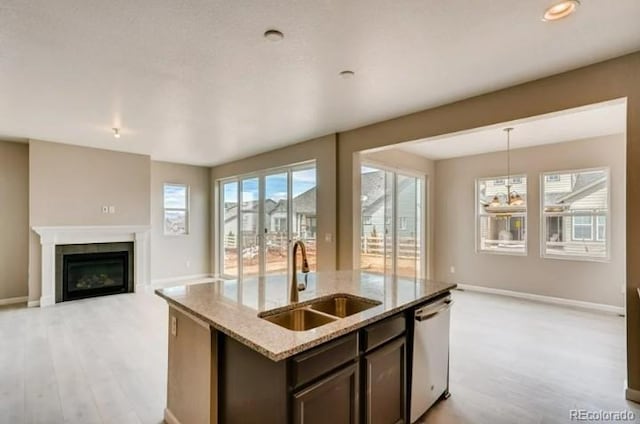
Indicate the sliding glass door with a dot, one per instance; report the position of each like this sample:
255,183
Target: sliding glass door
391,222
276,228
249,227
260,217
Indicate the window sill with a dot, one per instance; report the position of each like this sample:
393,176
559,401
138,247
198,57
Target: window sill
576,258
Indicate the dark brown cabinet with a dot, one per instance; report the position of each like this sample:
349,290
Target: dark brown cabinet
333,399
355,379
385,383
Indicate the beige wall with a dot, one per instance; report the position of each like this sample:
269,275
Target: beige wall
178,256
14,225
68,185
598,282
323,150
399,160
616,78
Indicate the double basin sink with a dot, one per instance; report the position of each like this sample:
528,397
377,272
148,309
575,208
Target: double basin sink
319,312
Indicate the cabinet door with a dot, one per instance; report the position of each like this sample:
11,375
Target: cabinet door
385,401
333,399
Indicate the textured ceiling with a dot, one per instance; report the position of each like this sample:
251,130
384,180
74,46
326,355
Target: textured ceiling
574,124
195,82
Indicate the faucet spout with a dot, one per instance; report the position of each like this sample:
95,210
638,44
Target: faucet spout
295,287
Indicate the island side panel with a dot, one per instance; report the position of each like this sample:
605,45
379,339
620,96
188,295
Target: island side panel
191,382
253,388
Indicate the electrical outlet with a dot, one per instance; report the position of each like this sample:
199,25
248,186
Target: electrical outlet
112,209
105,209
328,237
188,263
174,326
452,269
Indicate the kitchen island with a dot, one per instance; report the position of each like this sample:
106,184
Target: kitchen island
233,358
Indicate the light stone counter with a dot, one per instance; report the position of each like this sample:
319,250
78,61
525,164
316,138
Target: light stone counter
232,306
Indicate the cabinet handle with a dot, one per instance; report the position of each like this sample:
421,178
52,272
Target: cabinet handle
430,314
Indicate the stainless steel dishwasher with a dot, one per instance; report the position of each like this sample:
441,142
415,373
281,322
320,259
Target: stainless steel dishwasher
430,377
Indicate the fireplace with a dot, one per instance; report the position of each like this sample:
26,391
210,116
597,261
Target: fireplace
89,270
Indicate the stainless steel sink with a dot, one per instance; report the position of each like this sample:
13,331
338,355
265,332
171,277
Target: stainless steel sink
300,319
342,305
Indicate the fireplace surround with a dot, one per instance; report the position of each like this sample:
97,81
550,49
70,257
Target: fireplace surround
51,237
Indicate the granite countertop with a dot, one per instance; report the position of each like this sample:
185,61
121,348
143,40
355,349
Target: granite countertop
232,306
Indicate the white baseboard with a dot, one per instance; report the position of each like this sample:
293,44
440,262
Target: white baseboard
160,282
618,310
632,395
169,418
46,301
13,300
33,303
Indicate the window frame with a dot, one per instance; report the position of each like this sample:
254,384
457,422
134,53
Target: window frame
595,226
478,214
186,209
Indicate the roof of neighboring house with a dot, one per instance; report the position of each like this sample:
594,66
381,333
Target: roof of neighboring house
231,210
584,185
305,202
373,183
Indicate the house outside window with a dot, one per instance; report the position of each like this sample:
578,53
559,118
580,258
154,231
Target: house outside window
575,210
176,209
501,223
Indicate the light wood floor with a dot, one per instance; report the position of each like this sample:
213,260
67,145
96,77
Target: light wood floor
104,361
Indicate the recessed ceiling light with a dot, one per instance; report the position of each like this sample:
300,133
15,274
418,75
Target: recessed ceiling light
560,10
116,132
347,74
273,35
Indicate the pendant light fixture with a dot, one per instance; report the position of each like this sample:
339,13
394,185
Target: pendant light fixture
513,199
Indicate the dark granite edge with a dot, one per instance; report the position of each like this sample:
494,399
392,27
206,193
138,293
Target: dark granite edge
279,356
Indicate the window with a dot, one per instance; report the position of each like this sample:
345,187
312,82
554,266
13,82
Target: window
176,209
501,211
582,228
601,230
280,225
404,222
575,207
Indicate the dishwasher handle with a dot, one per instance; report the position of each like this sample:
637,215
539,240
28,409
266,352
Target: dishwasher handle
427,313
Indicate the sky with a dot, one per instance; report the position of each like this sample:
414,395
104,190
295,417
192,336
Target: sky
175,196
275,186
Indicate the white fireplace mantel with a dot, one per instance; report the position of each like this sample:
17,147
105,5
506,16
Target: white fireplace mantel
50,237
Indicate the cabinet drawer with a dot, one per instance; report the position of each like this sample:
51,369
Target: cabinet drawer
377,334
312,364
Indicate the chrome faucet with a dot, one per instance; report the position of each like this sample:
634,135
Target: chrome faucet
295,287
